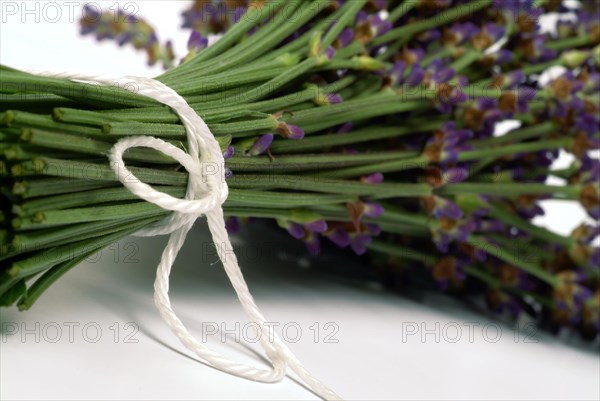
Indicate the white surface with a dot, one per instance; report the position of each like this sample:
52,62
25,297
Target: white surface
34,35
371,359
376,356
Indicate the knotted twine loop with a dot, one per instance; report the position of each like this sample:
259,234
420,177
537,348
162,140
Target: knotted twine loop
206,192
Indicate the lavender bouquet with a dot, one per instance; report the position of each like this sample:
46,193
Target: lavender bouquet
364,125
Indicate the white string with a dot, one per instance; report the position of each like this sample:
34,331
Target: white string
206,192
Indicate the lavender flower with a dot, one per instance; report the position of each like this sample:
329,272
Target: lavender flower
261,145
459,33
500,302
213,16
197,42
126,29
370,26
233,225
375,178
309,233
447,143
289,131
449,270
344,39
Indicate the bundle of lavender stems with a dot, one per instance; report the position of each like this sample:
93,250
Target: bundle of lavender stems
366,125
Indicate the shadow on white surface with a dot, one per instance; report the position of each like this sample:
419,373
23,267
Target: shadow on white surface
96,334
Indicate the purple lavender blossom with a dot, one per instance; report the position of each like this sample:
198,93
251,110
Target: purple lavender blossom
197,42
261,145
415,76
446,208
295,230
233,225
345,38
375,178
459,33
290,131
345,128
397,73
339,236
330,98
449,270
317,226
229,152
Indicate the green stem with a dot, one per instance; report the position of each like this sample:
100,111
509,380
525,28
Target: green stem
519,134
45,122
308,162
76,170
513,258
43,260
253,17
285,27
515,149
319,142
237,129
53,218
509,189
87,146
316,119
440,54
569,43
383,167
41,239
402,252
470,56
95,95
402,9
316,184
524,225
356,136
276,83
443,18
347,19
85,198
225,81
47,186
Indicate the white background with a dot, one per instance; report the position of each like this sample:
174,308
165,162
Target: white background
375,356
